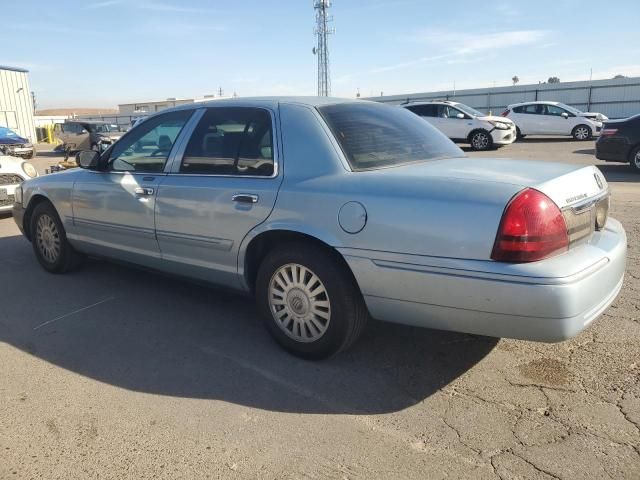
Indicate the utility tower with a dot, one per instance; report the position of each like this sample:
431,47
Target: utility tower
322,31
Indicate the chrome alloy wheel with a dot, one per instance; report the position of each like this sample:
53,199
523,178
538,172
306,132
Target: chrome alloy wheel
48,238
636,160
582,133
299,303
480,141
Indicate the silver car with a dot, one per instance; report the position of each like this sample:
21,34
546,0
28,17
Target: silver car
333,211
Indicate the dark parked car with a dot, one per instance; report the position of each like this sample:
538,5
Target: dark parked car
79,135
620,142
13,144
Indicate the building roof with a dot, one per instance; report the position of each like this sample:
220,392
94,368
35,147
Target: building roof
13,69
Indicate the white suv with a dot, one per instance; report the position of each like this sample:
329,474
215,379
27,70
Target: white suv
554,118
462,123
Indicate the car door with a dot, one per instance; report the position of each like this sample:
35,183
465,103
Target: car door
221,185
532,119
426,112
459,127
113,209
555,123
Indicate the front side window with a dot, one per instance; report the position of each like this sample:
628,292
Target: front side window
147,147
231,141
554,111
374,136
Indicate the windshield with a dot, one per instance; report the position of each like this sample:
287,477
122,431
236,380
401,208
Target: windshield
7,132
375,136
575,111
467,109
106,128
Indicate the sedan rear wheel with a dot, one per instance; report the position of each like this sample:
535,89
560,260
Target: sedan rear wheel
309,300
581,132
481,140
635,159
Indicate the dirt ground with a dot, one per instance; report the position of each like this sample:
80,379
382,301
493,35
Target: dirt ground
112,372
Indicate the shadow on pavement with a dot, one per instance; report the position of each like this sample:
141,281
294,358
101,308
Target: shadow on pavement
619,172
165,336
586,151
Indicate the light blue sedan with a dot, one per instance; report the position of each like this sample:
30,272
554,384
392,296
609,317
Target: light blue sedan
334,211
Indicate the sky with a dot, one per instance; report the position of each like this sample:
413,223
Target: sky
99,53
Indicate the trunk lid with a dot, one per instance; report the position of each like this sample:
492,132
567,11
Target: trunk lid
565,184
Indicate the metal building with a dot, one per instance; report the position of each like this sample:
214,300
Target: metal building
16,102
616,98
146,108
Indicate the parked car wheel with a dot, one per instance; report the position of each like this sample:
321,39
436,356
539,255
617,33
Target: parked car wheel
519,134
49,240
634,159
309,300
581,132
480,140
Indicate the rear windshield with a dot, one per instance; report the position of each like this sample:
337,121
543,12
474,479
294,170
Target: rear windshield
373,135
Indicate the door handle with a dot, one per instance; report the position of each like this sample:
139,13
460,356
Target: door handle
245,198
144,191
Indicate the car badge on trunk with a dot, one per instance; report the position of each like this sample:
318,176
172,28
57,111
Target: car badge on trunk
598,181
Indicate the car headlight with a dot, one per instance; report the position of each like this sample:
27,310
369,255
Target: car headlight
29,170
18,195
500,125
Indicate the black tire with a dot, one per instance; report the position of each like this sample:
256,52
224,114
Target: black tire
634,159
519,135
582,132
65,258
347,312
480,140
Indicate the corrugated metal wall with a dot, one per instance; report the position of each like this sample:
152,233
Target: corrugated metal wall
16,105
617,98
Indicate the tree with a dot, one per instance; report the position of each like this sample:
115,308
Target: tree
553,80
619,76
515,79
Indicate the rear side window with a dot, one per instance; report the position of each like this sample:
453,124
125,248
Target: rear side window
518,109
535,109
423,110
375,136
231,141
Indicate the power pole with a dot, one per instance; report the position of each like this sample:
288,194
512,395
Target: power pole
323,31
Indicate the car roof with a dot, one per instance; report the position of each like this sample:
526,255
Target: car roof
430,102
536,102
90,122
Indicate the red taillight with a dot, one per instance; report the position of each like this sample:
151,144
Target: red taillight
532,228
505,113
607,132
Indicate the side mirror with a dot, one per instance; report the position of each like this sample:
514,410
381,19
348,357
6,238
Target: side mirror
88,159
460,116
564,115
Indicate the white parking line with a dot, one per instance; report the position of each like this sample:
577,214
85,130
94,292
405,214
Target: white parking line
73,313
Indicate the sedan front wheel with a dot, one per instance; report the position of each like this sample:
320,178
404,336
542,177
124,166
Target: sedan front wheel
309,301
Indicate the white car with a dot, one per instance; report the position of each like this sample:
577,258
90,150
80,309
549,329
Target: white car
13,171
554,118
462,123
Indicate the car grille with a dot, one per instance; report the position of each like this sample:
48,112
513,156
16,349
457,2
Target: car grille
8,201
10,179
583,222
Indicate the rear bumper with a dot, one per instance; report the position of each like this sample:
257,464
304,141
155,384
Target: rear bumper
554,301
613,149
